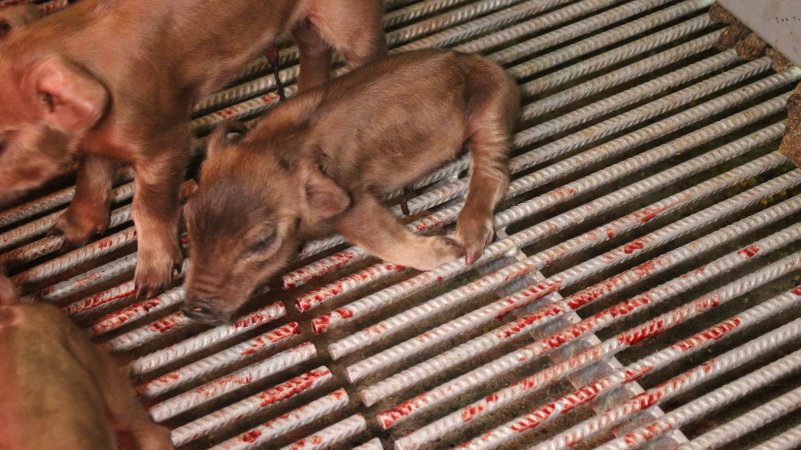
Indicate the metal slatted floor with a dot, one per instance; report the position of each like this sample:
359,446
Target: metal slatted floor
641,290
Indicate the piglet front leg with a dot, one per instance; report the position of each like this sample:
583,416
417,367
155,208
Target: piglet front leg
156,213
369,225
88,214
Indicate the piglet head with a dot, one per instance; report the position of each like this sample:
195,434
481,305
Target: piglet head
246,220
47,104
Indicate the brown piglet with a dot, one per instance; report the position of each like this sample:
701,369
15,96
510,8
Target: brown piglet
58,391
321,161
114,81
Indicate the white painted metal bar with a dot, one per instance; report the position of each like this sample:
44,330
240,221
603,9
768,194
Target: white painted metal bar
281,425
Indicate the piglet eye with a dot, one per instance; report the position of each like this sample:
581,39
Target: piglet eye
262,244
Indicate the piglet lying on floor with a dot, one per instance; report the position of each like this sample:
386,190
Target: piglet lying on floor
321,161
57,391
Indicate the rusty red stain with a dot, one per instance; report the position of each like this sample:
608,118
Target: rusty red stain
637,335
250,436
797,291
97,300
345,313
534,419
162,380
320,324
648,399
400,411
299,445
274,336
635,374
633,246
526,321
339,395
750,251
212,388
530,295
118,318
256,318
291,388
471,411
715,333
164,325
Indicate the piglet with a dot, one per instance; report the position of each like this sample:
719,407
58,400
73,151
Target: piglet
58,391
320,162
114,81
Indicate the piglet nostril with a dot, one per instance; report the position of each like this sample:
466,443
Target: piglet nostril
201,314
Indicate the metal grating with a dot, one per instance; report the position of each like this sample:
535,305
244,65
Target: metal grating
641,291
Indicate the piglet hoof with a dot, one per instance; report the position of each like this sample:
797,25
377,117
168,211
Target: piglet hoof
474,236
152,279
439,250
79,229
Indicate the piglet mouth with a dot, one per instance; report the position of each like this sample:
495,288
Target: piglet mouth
206,315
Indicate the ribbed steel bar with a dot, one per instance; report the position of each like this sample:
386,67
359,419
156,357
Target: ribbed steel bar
194,344
617,77
599,321
549,174
91,252
551,226
218,361
137,311
651,364
597,41
565,279
750,421
329,436
789,440
229,383
716,399
102,301
263,401
588,65
282,425
569,32
40,226
419,9
609,259
52,244
639,92
45,203
86,281
504,20
675,386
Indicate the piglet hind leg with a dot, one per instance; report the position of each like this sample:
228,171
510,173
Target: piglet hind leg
156,213
489,176
88,214
372,227
354,28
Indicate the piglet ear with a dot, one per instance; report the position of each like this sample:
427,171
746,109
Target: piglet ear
17,16
226,134
7,294
322,198
69,97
